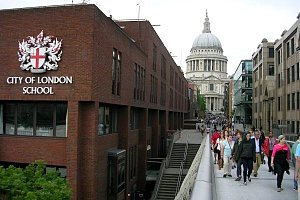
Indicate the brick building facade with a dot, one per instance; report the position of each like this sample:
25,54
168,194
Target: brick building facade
115,94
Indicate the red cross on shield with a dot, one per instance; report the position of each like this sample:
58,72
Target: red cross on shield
37,57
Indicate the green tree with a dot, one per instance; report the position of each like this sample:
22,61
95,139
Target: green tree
201,102
32,183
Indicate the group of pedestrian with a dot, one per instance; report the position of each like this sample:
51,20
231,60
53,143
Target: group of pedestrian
248,152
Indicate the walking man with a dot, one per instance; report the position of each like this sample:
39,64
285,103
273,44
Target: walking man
258,147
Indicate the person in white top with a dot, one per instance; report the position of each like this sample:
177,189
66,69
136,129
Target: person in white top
226,152
220,142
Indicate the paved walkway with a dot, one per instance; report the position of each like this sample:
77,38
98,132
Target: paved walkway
193,136
262,187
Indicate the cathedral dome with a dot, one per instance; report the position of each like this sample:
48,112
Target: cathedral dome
207,40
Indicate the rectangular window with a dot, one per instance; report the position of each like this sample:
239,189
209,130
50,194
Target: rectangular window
298,128
139,83
211,87
163,67
271,52
163,94
293,101
108,120
116,72
292,46
33,119
278,104
271,70
293,73
260,71
298,100
288,76
260,90
288,49
154,57
288,103
278,57
293,126
297,71
44,120
278,80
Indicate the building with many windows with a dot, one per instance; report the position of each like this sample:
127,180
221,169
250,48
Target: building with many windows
242,93
92,97
287,72
207,68
263,86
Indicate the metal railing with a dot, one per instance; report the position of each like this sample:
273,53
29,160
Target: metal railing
164,165
178,185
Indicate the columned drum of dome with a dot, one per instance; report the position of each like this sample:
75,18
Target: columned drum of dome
207,68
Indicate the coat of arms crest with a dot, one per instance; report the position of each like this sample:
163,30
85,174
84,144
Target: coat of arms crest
39,54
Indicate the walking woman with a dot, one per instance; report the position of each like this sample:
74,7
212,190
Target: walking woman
234,153
280,157
226,151
219,145
246,152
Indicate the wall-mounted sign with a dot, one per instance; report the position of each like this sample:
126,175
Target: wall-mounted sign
39,54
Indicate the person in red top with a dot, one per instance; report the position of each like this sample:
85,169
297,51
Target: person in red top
280,157
214,138
268,147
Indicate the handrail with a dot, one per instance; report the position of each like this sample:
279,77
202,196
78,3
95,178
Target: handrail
177,133
178,185
161,170
163,166
189,180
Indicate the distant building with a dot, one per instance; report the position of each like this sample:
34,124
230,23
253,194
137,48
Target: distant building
101,112
242,91
287,92
207,67
263,86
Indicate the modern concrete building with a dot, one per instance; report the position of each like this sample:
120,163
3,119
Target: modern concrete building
287,92
105,95
207,68
263,106
242,91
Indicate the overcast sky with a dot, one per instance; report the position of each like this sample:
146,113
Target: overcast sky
240,25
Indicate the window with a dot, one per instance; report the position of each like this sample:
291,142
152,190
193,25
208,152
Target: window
153,89
278,57
288,78
298,100
260,90
108,120
271,52
211,87
139,83
292,46
260,71
134,119
116,72
163,67
297,71
271,70
33,119
278,80
278,104
171,76
288,103
297,128
288,49
163,94
293,73
293,126
293,101
154,57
